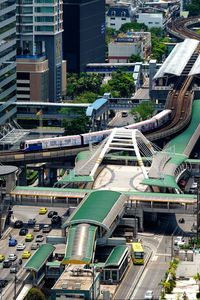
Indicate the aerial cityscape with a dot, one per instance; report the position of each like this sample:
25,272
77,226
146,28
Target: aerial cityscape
99,149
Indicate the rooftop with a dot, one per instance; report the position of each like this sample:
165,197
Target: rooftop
116,256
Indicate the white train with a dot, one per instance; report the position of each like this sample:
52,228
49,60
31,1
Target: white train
93,137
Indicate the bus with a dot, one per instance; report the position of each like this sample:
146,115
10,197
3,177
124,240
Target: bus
137,253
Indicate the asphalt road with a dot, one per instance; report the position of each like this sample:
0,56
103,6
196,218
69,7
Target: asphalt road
119,121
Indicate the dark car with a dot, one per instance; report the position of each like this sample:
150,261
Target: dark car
23,231
18,224
56,220
7,263
3,283
52,213
31,222
181,220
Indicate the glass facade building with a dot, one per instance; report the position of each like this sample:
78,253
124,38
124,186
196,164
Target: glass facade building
39,34
7,60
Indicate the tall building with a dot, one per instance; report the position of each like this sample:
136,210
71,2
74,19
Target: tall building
7,60
84,33
39,38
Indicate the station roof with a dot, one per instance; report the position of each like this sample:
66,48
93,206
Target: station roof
196,67
95,106
98,208
39,258
116,256
178,58
80,244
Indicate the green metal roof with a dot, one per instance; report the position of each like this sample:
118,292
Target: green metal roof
167,181
38,259
116,256
96,206
83,155
80,244
70,178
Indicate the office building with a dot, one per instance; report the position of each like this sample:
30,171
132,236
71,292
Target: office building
84,33
39,44
7,60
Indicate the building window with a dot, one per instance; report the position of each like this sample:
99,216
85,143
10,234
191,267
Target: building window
123,14
112,18
124,19
44,19
113,13
150,22
44,28
23,76
44,9
112,24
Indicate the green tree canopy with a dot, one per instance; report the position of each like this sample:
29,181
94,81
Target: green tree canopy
135,58
86,97
121,84
35,294
143,111
193,7
133,26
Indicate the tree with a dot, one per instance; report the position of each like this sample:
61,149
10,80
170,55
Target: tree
133,26
193,7
144,110
35,294
197,279
135,58
86,97
121,84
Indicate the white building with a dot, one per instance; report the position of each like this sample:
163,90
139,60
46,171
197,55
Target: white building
150,19
117,16
134,43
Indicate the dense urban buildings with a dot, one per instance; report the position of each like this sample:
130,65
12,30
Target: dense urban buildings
84,33
7,60
39,38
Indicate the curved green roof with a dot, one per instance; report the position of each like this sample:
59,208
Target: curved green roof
116,256
83,155
39,258
98,208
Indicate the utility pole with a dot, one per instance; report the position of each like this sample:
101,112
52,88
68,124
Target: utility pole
15,288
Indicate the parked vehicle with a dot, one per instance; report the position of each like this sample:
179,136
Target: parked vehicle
39,238
31,222
148,295
7,263
12,256
14,269
3,283
18,224
37,227
35,246
23,231
20,247
56,220
179,241
46,228
2,257
26,254
12,242
52,213
43,210
29,237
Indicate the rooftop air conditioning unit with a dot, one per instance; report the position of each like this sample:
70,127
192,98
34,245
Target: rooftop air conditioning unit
77,286
65,286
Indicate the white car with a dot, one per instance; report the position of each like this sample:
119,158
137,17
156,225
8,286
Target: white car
148,295
21,246
179,241
39,238
12,257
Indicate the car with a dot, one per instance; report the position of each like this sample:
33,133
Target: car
14,269
43,210
2,257
37,227
23,231
46,228
181,220
29,237
3,283
20,246
35,246
124,114
12,242
12,256
39,238
179,241
26,254
56,220
18,224
52,213
31,222
7,263
148,295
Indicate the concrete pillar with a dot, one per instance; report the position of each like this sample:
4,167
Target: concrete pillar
41,177
152,72
22,180
52,176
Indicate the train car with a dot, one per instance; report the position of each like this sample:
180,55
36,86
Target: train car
94,137
144,126
163,117
49,143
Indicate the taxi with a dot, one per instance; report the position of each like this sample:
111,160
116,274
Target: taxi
43,210
2,257
26,254
29,237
